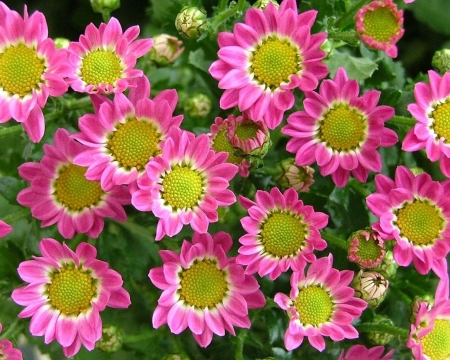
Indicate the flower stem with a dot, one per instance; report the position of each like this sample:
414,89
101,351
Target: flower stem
340,243
350,13
235,9
23,212
239,354
384,328
360,188
349,36
403,121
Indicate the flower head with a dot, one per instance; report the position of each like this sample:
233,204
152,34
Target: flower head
203,289
185,184
60,193
104,58
432,130
340,130
282,233
66,292
125,133
31,69
166,49
5,229
380,26
320,304
366,248
265,58
413,210
7,351
359,352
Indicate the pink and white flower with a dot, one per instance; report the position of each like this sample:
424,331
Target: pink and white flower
7,351
5,229
203,290
265,58
360,352
67,290
60,194
340,130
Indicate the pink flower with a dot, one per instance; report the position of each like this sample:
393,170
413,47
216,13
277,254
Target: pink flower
282,233
185,184
5,229
415,211
66,292
31,69
203,289
7,351
265,58
104,58
379,24
431,131
125,133
320,304
360,352
60,193
340,130
408,1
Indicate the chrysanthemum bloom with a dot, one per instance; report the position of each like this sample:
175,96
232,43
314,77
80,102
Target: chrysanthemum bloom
320,304
220,142
185,184
432,130
104,58
415,211
379,24
265,58
409,1
371,286
31,69
5,229
61,194
7,351
203,289
340,130
359,352
66,292
366,248
292,175
282,233
125,133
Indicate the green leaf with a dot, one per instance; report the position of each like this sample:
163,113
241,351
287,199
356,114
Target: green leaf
357,68
434,13
197,59
9,188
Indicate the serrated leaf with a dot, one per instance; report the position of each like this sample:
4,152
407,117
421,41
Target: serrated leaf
357,68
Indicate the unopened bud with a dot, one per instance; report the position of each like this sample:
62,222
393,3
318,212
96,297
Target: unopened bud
370,286
191,22
111,340
166,49
296,176
61,43
102,6
377,337
198,105
441,61
261,4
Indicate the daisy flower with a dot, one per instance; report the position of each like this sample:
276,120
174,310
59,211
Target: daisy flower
31,69
415,211
104,58
379,24
203,290
66,292
125,133
185,184
320,304
359,352
282,233
60,193
5,229
366,248
340,130
265,58
7,351
432,130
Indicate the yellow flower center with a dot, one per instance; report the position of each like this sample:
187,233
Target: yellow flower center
71,290
314,305
134,142
221,143
368,249
101,67
381,24
182,188
420,222
74,191
283,234
343,128
20,70
436,344
247,130
441,124
203,284
274,61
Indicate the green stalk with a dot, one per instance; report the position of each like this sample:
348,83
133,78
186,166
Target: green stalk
403,121
384,328
348,16
239,354
334,240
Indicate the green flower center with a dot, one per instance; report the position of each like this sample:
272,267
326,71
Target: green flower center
101,67
182,188
420,222
221,143
133,143
247,130
441,124
283,234
343,128
314,305
436,344
71,290
274,61
368,249
203,284
74,191
381,24
20,70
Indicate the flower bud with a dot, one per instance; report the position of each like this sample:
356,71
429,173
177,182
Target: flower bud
425,301
296,176
370,286
366,248
191,22
61,43
176,357
441,61
198,105
111,340
388,266
261,4
377,337
101,6
166,49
